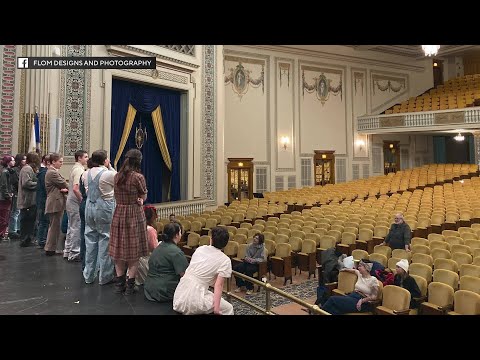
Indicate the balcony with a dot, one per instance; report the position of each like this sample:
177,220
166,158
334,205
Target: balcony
467,118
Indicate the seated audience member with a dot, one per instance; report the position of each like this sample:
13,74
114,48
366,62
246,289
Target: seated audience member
172,217
366,289
256,253
404,280
332,262
152,243
399,235
209,266
166,266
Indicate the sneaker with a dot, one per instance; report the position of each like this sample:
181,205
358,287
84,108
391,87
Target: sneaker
249,292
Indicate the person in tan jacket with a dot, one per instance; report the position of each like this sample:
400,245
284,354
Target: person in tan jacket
57,189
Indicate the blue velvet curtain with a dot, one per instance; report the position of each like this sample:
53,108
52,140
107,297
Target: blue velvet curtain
145,99
439,150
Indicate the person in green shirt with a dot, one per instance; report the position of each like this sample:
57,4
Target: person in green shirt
166,266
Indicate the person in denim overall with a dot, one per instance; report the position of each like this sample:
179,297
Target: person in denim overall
98,218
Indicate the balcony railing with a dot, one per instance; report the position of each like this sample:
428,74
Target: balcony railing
419,119
184,207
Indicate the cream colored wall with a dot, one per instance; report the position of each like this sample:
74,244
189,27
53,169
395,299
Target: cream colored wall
313,123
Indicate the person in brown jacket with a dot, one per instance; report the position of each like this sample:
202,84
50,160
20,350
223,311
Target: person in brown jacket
57,188
26,201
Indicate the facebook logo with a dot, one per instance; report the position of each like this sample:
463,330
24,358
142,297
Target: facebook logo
22,63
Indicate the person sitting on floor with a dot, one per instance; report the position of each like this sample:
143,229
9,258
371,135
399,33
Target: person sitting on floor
256,253
166,266
152,243
366,289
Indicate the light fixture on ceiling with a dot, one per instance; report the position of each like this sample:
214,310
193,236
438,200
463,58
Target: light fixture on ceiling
459,137
430,50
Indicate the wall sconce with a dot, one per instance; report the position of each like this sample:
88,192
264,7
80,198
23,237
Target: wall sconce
360,144
391,146
459,137
240,164
324,156
284,140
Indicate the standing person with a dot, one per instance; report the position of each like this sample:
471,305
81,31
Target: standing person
74,198
41,199
14,227
98,218
128,232
27,191
6,195
399,235
57,189
256,253
166,266
83,191
209,266
152,243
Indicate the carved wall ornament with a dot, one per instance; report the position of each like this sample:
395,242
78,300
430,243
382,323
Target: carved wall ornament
240,79
284,71
358,79
322,87
388,83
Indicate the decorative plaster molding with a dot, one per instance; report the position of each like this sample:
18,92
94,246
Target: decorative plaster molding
253,58
7,101
282,63
258,162
127,50
184,49
389,77
75,104
376,79
322,86
336,57
240,79
358,77
284,69
209,125
307,155
159,74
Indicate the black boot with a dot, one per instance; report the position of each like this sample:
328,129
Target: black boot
120,284
130,287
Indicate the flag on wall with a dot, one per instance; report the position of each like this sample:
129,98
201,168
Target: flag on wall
36,123
35,135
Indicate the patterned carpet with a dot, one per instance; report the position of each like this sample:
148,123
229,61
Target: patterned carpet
305,290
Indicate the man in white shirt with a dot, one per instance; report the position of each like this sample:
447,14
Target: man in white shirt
99,181
74,198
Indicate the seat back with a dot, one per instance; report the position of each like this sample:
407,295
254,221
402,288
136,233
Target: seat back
446,264
422,284
384,250
308,246
359,254
440,294
242,251
231,249
468,269
283,250
422,259
193,240
466,302
396,298
382,259
447,277
401,254
421,270
346,281
470,283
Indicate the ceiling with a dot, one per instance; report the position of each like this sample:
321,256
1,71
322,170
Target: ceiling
415,51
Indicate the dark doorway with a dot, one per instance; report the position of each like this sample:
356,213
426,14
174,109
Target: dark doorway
457,152
437,72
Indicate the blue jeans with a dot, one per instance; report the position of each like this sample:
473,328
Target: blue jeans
43,223
14,224
98,218
339,305
82,233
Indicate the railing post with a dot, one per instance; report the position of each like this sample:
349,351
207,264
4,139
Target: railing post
268,301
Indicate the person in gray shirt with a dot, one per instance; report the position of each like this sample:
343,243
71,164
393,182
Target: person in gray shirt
399,235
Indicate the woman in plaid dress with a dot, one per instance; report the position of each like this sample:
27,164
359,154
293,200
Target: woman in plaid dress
128,232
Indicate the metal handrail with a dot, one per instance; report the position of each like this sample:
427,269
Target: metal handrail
313,309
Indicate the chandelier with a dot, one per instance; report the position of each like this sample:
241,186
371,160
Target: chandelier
459,137
430,50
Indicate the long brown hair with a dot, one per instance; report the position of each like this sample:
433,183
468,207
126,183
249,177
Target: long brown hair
133,162
33,160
